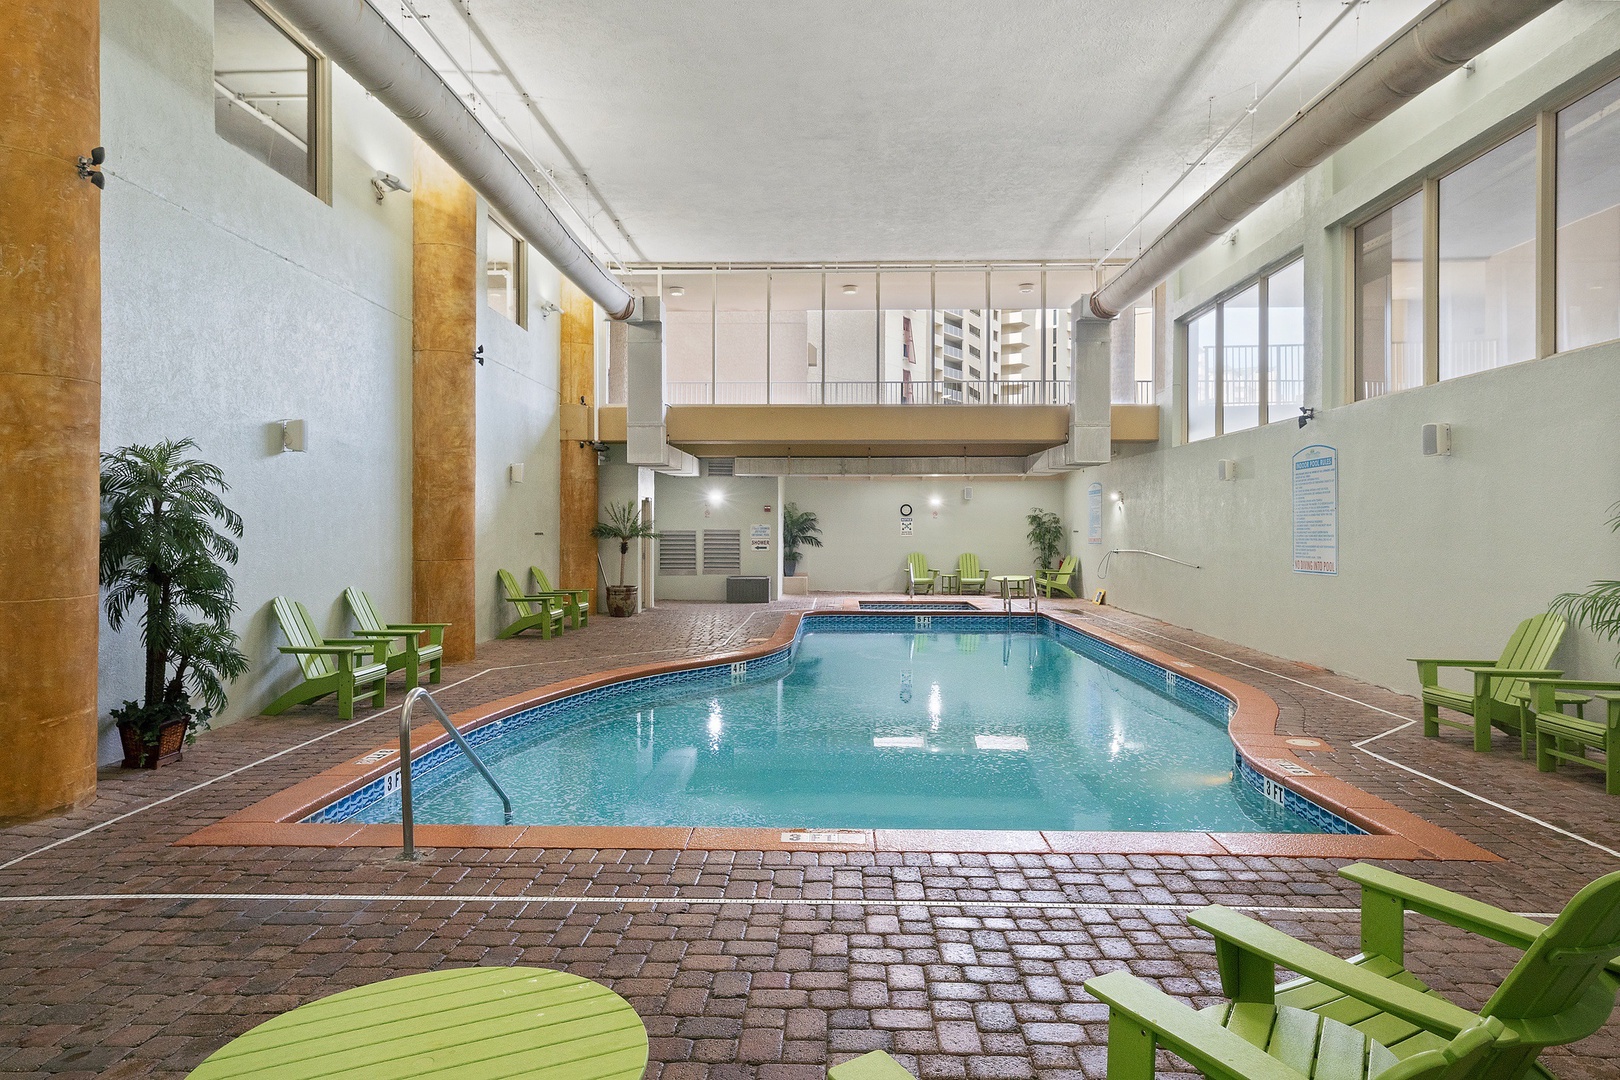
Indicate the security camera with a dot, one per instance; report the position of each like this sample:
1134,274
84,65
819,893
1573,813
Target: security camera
1306,415
384,182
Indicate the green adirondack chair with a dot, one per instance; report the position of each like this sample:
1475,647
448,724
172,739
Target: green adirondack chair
919,578
1500,692
576,602
337,666
532,611
1561,990
1253,1041
411,654
970,576
1061,580
1560,737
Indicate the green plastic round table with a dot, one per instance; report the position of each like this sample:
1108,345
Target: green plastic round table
459,1022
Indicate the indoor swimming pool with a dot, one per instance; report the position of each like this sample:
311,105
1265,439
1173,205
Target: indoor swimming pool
900,722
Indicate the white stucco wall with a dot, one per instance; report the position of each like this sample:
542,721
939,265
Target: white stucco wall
1438,556
863,549
233,299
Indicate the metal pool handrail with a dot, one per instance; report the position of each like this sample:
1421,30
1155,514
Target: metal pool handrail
1102,567
405,815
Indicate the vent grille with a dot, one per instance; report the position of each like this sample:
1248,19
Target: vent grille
722,466
677,552
722,551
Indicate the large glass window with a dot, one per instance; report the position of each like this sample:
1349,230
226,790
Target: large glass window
1285,341
1488,260
1235,369
1589,220
266,90
1201,369
1389,300
1240,361
503,271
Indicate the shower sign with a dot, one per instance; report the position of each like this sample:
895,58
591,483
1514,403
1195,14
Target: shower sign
1316,510
759,537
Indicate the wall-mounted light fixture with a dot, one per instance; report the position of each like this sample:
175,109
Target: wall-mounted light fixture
384,182
716,496
677,290
514,472
292,437
1436,440
1026,287
935,500
1117,499
851,290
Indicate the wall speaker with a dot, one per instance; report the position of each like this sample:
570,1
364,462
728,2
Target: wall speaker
1436,440
1226,469
292,436
967,494
514,472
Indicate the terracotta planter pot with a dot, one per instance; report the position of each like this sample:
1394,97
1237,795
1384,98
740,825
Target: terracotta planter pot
139,755
621,600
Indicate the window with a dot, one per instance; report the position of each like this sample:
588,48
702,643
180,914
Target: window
1240,361
1487,302
1234,368
677,552
722,551
269,94
1588,258
1285,341
1201,338
503,272
1389,300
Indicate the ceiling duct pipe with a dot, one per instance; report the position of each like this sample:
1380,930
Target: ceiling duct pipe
1436,43
366,45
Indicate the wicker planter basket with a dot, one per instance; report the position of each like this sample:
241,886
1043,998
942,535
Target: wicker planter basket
139,755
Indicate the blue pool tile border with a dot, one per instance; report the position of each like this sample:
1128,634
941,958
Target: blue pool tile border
429,769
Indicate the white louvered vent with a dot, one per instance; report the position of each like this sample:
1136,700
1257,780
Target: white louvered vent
722,551
677,552
722,466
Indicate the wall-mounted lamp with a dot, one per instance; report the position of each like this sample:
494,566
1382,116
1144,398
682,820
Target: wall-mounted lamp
1306,415
677,290
384,182
935,500
1026,287
1436,440
716,496
292,437
851,290
478,355
1116,498
88,167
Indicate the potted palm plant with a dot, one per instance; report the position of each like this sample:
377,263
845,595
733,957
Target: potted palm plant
623,524
165,543
1045,536
799,529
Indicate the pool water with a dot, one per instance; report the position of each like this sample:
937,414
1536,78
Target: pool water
987,730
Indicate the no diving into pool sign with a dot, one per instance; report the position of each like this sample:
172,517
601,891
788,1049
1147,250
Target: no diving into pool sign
1316,510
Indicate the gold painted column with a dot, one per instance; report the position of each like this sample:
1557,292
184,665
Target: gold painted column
444,333
577,378
50,405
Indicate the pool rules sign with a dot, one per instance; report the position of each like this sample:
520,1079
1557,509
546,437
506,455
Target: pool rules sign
1316,510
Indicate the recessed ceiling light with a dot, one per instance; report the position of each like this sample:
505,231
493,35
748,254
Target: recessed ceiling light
676,290
1026,287
851,290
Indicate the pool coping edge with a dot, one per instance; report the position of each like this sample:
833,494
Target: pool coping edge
1391,833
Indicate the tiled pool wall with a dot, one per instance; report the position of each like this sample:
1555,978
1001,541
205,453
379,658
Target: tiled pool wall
1189,693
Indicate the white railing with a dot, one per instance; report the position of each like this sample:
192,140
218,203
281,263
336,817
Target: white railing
888,392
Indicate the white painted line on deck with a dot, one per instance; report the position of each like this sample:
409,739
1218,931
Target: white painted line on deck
1361,746
658,901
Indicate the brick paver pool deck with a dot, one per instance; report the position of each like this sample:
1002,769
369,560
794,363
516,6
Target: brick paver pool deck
142,956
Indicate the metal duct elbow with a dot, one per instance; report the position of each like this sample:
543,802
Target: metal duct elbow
366,45
1433,45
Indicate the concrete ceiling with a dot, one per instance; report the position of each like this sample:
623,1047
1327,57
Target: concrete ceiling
739,131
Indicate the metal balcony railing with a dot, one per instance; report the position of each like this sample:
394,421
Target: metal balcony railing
888,392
